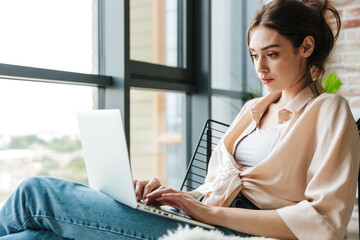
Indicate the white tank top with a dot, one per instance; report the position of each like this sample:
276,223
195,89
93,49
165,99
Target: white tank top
255,147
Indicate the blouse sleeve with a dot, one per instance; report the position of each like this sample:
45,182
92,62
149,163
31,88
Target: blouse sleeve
331,176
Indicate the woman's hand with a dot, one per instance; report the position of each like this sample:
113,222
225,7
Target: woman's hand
155,197
190,206
143,188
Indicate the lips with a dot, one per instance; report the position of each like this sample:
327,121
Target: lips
266,80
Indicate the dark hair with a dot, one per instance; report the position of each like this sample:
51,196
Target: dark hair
296,19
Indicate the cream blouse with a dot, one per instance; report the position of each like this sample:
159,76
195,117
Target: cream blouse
311,174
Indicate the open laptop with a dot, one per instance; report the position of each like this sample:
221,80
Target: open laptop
108,164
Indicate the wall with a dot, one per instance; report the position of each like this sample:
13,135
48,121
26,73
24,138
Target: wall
345,60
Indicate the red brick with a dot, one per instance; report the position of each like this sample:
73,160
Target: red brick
350,24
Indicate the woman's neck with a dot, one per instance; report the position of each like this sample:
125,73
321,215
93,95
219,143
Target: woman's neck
290,93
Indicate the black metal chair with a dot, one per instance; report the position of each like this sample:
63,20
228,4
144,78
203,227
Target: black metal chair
197,169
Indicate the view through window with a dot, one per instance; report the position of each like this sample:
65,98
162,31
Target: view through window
38,126
154,31
157,126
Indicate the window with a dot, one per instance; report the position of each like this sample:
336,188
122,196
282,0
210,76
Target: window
224,108
155,82
233,79
59,34
157,136
39,133
38,128
154,31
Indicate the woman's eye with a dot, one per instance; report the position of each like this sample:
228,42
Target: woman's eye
272,55
253,56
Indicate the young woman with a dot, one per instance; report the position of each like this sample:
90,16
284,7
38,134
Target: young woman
286,168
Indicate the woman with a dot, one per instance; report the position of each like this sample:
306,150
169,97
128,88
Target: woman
286,168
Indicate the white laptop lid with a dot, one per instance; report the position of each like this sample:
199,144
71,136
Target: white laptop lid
106,155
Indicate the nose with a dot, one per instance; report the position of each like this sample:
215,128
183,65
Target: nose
261,65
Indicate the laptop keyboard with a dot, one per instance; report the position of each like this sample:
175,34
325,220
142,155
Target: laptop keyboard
157,209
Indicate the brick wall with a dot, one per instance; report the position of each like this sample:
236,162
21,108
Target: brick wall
345,60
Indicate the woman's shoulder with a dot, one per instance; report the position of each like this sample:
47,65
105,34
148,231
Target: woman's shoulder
331,105
330,99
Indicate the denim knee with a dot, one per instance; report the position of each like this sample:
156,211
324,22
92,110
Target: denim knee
33,183
29,182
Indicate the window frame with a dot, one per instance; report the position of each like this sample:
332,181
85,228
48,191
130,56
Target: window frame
161,73
16,72
23,73
114,37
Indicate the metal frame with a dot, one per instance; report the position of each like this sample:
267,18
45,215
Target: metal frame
199,103
197,167
15,72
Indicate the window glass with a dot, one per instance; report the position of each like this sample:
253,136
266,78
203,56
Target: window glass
39,132
38,126
57,34
224,109
154,31
231,65
157,126
226,45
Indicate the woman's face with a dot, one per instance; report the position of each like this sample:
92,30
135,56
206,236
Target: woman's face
277,63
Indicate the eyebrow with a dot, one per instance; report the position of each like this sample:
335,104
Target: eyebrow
267,47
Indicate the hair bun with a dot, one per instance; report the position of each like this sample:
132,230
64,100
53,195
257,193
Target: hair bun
320,5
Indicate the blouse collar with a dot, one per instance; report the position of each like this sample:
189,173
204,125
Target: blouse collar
310,92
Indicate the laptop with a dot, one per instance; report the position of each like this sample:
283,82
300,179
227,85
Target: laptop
108,164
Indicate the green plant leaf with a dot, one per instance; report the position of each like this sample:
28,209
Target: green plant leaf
331,83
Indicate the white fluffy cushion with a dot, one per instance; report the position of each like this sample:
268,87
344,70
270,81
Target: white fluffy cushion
187,233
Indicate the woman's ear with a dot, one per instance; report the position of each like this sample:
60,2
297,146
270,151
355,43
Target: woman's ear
307,47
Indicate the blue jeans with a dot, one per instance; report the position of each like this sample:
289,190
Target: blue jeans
50,208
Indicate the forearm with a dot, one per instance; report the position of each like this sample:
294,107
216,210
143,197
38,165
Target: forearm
195,194
266,223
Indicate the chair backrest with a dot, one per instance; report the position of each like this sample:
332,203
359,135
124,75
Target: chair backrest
197,168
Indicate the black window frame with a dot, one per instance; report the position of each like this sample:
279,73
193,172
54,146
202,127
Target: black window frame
11,72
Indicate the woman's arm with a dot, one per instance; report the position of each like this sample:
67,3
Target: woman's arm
266,223
257,222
